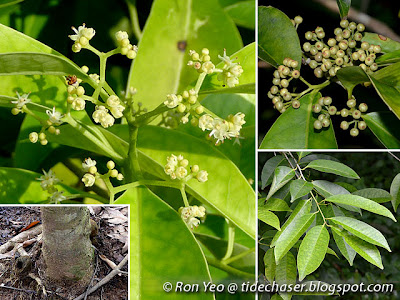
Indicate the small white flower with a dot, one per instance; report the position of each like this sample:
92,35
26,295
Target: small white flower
101,115
190,214
54,116
238,119
172,160
113,101
33,137
78,104
231,71
48,180
95,77
202,176
172,101
193,222
115,106
220,130
208,67
57,197
206,122
88,163
120,35
169,169
181,172
82,31
88,179
22,100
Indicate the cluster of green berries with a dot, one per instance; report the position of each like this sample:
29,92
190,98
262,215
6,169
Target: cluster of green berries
325,110
345,49
297,21
279,93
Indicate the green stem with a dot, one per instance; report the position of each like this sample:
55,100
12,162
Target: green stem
200,82
110,188
151,115
184,197
103,61
132,163
134,20
218,264
176,185
239,256
231,241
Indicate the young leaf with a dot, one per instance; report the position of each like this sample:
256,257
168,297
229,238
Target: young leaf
344,6
384,125
286,272
362,230
303,207
282,175
369,252
275,204
378,195
277,37
329,166
269,169
294,129
363,203
299,188
344,248
269,218
291,234
270,265
312,250
395,192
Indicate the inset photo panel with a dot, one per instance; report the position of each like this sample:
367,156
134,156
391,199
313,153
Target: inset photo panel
327,224
328,74
64,252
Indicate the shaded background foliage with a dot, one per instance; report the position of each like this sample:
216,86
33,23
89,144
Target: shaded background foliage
316,15
376,170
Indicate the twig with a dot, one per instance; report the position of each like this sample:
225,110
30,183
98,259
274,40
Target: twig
39,282
105,279
17,289
394,156
23,236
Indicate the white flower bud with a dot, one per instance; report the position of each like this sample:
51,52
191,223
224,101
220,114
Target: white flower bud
33,137
88,179
202,176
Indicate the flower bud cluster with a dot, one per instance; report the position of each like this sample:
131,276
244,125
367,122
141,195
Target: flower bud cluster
75,93
125,45
177,167
184,104
279,93
89,166
345,49
231,71
222,129
201,62
47,183
192,215
81,37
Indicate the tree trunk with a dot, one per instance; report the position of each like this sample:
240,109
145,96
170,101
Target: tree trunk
67,249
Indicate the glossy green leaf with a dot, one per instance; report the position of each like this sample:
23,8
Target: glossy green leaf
327,189
395,192
270,265
294,129
363,203
312,250
286,272
291,234
351,188
384,125
275,204
378,195
344,6
303,154
21,186
388,45
302,208
277,37
168,23
181,260
269,168
351,76
344,248
311,157
282,175
330,251
269,218
329,166
299,188
369,252
247,57
362,230
389,58
242,13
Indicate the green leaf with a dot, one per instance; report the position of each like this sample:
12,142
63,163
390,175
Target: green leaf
351,76
291,234
299,188
246,56
181,260
269,169
275,204
329,166
377,195
369,252
395,192
389,58
384,125
286,272
270,265
312,250
269,218
294,129
311,157
362,230
387,44
344,248
303,207
156,73
282,175
330,251
344,6
363,203
242,13
277,37
5,3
